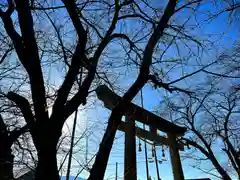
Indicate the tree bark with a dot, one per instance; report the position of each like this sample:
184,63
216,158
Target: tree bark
98,170
209,154
6,162
219,168
46,146
47,166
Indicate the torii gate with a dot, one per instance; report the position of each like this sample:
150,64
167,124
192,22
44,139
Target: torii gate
134,112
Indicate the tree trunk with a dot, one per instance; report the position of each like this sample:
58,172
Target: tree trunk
98,170
219,168
209,154
6,163
47,168
47,165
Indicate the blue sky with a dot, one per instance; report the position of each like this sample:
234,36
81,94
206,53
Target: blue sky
71,178
97,115
151,100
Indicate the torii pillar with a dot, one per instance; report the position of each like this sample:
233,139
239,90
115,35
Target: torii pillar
130,163
175,158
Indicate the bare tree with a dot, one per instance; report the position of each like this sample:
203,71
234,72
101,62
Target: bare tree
76,45
143,77
210,117
12,125
7,139
46,130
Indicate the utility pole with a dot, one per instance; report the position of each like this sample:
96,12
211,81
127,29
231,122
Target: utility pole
145,144
86,153
116,177
146,155
71,146
156,161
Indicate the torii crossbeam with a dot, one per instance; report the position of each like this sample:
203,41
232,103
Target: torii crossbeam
134,112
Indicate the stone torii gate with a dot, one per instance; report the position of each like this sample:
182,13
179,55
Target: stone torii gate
134,112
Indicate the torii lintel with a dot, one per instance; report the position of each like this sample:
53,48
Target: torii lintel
111,99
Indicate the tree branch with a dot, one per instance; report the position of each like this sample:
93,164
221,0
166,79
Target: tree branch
15,37
147,56
160,84
77,59
81,95
17,132
136,15
31,60
191,74
99,167
25,108
10,7
231,158
196,145
187,4
211,157
74,15
3,128
221,75
5,54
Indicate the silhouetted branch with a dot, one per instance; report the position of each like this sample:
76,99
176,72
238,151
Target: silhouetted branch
31,60
159,84
99,167
76,61
5,55
17,132
3,128
25,108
